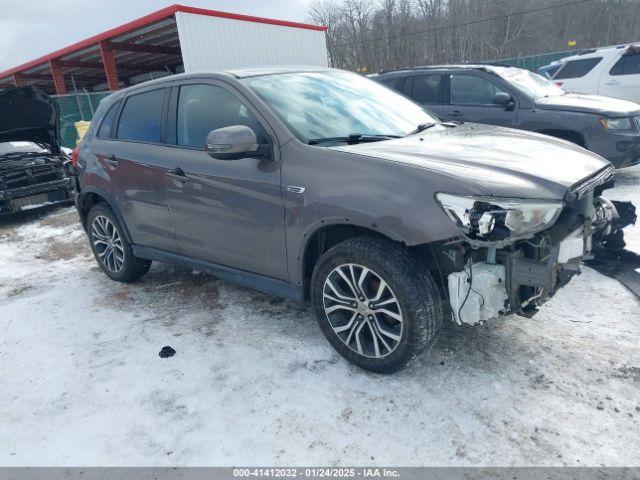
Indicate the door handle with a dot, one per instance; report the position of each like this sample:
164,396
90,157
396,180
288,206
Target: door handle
613,82
111,160
456,113
178,175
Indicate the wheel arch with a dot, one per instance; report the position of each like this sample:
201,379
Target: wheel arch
326,235
92,196
572,136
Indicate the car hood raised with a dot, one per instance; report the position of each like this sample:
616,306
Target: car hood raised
597,104
496,161
29,114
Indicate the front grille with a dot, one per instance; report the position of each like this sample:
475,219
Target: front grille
30,176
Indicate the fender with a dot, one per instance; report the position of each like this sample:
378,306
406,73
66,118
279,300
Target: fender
335,222
116,210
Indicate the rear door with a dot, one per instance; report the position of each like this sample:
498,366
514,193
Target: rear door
134,161
470,99
226,212
623,79
428,90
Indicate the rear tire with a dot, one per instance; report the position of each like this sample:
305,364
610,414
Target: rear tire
376,303
110,246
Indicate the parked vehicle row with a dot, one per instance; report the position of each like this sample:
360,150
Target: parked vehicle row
611,71
34,170
516,98
323,184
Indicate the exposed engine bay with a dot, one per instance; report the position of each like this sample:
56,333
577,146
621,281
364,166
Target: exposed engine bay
34,170
494,272
30,176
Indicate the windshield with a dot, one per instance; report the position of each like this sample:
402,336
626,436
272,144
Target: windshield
530,83
332,104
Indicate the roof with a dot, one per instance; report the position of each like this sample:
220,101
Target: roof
238,73
147,44
256,72
486,67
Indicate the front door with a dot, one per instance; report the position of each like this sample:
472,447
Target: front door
229,212
471,100
623,80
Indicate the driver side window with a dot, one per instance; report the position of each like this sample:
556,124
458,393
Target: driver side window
202,108
472,90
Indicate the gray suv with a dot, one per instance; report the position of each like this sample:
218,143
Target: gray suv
517,98
322,184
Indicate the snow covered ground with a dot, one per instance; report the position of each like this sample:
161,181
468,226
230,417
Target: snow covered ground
255,383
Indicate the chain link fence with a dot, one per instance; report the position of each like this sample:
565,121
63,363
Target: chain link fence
73,108
534,62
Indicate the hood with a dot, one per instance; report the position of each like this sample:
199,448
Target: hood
497,161
29,114
575,102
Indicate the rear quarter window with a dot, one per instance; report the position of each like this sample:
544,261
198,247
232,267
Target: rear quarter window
106,126
577,68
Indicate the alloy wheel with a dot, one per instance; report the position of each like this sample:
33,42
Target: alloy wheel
362,310
107,243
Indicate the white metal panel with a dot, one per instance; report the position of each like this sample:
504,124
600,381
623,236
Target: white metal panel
222,43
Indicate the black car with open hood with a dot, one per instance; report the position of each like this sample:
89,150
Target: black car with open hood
33,169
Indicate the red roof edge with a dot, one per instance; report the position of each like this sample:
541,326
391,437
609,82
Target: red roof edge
147,20
248,18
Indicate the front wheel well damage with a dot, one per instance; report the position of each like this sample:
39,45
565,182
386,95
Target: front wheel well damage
325,238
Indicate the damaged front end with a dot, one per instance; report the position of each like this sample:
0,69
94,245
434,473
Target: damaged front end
515,254
34,171
32,179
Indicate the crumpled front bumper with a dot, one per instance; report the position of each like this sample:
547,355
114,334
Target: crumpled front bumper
33,195
520,277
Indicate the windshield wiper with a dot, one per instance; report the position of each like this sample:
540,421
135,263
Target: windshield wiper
352,139
421,128
425,126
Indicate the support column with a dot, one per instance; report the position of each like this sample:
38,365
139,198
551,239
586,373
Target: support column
109,62
58,77
19,80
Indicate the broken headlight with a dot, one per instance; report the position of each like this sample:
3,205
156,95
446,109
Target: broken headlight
495,219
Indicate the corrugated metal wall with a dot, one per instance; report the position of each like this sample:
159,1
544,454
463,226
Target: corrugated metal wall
221,43
74,108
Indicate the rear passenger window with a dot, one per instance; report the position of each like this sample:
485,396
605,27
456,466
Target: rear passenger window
107,122
396,83
627,65
577,68
426,88
141,117
472,90
202,108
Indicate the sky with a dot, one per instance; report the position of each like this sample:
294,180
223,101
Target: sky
32,28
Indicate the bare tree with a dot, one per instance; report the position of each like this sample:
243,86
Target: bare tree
385,34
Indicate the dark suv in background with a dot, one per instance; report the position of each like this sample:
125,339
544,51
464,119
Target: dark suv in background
517,98
321,184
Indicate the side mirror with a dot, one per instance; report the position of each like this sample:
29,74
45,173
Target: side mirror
503,99
232,143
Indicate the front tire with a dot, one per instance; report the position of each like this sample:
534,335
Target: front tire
375,303
110,246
